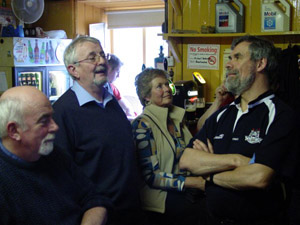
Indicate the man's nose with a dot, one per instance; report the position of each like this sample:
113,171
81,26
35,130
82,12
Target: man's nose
228,65
101,59
53,126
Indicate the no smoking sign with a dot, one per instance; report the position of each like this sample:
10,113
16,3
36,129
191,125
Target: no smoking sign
212,60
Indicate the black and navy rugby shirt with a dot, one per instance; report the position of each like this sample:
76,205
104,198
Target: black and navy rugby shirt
262,133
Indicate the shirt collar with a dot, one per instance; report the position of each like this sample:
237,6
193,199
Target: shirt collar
9,154
108,87
84,97
260,99
175,113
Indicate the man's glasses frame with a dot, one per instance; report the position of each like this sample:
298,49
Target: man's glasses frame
94,58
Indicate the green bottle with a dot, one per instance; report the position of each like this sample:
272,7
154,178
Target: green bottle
37,81
30,51
42,54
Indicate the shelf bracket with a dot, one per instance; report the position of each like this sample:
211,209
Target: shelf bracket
176,7
174,49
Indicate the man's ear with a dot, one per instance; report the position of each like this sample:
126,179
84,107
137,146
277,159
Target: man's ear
13,131
73,71
261,64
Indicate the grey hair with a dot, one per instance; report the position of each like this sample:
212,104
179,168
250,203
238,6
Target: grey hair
12,109
261,48
70,52
114,62
143,82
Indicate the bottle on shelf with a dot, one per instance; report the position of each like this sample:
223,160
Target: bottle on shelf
47,56
143,67
33,80
159,61
22,79
28,79
51,53
42,54
228,18
37,81
275,16
53,91
36,52
30,52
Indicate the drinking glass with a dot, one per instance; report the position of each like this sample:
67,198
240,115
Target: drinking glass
190,109
200,107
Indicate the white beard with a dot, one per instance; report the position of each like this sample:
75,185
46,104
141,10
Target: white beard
236,85
47,145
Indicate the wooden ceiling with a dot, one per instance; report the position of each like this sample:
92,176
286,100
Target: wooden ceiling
119,4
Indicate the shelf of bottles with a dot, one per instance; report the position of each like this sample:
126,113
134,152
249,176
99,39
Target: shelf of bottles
45,55
30,79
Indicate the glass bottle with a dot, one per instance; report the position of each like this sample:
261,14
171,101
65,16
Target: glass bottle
36,52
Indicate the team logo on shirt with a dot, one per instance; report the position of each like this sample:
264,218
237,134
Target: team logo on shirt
219,136
253,137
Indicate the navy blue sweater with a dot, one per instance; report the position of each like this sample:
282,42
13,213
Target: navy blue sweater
49,191
100,142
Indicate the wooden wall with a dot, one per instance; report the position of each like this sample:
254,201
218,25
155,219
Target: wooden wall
58,15
195,13
87,15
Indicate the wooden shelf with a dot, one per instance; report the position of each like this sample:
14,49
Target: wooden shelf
166,36
174,38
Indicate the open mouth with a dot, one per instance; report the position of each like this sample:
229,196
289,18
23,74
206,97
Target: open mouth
49,140
231,73
101,69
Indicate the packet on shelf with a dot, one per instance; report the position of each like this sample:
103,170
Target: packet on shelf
207,29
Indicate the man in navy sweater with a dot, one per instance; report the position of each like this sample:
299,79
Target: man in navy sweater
37,187
95,132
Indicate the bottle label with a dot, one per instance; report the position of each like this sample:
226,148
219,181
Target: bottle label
270,23
223,21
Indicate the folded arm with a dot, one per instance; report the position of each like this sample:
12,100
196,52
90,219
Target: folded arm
202,163
252,176
229,170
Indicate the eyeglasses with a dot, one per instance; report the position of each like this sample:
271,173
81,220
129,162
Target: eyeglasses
94,58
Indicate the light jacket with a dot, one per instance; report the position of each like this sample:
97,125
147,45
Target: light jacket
155,118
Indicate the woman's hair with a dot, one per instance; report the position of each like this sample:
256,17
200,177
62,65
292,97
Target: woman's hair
261,48
143,82
70,52
12,109
114,62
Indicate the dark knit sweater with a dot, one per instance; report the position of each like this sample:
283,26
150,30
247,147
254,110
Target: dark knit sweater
100,142
49,191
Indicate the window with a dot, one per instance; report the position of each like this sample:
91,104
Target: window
135,47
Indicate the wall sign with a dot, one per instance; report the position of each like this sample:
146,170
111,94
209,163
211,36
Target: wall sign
203,56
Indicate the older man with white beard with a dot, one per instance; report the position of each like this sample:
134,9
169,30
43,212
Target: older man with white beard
39,185
95,132
245,150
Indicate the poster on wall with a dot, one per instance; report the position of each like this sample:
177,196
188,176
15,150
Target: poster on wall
39,51
203,56
226,55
